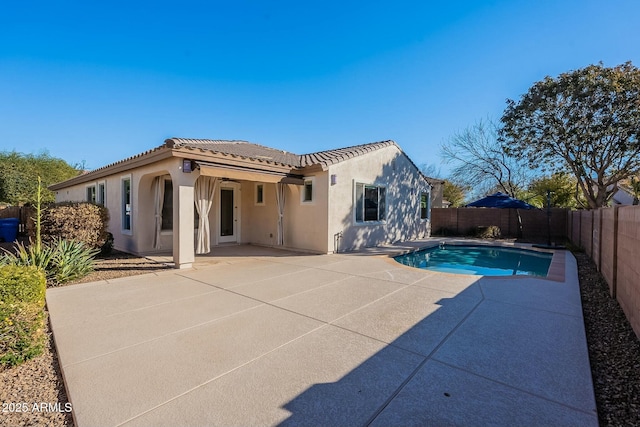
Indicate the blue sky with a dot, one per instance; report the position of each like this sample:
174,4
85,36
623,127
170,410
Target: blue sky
96,82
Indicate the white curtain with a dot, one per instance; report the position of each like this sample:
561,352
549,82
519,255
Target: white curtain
280,188
158,201
205,189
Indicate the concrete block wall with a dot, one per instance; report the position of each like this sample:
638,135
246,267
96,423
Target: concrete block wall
464,221
595,237
586,231
575,227
628,277
611,236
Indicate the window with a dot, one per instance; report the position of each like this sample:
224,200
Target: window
307,195
126,204
370,203
167,205
259,194
91,194
306,192
101,196
424,205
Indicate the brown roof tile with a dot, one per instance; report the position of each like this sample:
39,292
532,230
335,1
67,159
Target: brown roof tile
259,152
237,148
330,157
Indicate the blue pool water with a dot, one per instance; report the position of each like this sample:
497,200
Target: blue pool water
479,260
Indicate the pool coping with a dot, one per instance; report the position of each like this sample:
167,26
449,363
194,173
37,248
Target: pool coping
556,272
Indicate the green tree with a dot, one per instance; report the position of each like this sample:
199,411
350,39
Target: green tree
480,162
454,193
563,190
19,176
585,121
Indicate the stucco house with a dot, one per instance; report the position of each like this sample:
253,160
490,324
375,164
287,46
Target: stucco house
189,194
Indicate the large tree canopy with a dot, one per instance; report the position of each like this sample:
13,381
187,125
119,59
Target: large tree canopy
585,121
19,176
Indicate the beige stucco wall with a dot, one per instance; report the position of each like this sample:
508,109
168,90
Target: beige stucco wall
259,222
387,167
305,224
140,238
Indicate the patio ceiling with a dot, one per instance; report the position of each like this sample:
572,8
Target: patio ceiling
222,170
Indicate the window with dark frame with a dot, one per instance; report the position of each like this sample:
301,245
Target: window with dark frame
91,194
424,206
101,196
259,194
370,203
167,205
126,204
308,191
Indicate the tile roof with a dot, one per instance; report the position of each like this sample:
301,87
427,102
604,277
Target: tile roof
234,148
237,148
330,157
270,155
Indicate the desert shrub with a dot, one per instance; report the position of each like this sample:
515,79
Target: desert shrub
79,221
61,261
488,232
22,298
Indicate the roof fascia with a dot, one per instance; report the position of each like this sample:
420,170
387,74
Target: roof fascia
230,159
143,159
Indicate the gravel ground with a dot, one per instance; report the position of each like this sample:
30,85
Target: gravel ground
614,351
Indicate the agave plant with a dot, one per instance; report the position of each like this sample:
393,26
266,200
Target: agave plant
71,260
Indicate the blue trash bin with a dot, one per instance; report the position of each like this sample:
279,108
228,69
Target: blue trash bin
9,229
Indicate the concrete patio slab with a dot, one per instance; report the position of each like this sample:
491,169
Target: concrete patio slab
441,395
515,342
265,337
230,276
414,318
318,380
116,331
281,287
334,300
89,301
451,283
140,377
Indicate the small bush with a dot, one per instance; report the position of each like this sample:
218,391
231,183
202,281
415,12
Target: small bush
107,247
82,222
488,232
22,298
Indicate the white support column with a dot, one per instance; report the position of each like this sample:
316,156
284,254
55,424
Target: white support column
183,221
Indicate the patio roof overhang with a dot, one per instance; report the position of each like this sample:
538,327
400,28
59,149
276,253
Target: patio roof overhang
223,170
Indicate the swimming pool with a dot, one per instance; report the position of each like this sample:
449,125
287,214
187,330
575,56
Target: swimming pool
479,260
